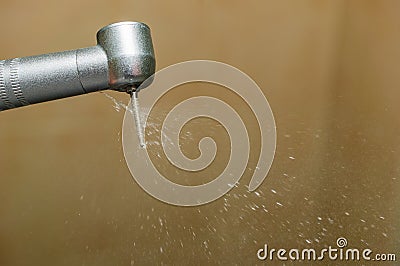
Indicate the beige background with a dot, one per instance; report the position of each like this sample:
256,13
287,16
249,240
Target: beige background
330,72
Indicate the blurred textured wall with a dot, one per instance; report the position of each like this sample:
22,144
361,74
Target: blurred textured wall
330,72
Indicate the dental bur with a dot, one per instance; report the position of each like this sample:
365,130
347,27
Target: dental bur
122,60
136,117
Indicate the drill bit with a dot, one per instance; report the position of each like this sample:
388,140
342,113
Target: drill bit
136,117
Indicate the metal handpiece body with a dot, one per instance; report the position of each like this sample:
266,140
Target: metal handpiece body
122,59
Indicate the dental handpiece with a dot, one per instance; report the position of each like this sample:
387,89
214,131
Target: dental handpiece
122,60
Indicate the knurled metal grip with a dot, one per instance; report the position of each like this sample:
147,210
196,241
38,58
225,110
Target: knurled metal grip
123,58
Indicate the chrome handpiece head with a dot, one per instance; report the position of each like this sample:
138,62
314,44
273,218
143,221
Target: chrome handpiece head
130,54
131,61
